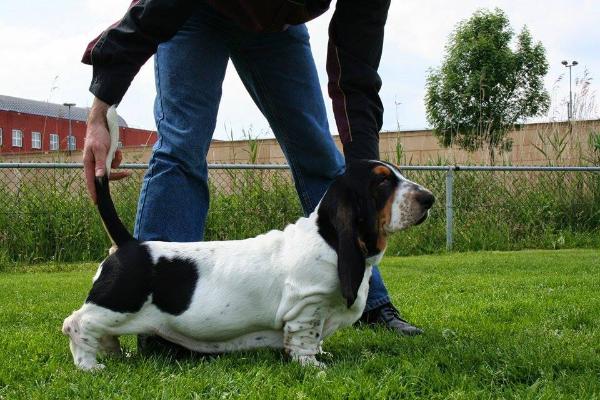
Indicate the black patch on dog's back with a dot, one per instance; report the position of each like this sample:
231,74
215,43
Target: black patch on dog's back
125,281
174,284
129,276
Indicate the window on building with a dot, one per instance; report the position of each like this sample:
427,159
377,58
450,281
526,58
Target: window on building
1,142
72,143
53,141
17,138
120,145
36,140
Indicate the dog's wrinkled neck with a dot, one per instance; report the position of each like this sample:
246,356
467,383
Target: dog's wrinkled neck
368,242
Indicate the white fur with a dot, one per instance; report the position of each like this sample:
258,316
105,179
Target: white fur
405,212
278,290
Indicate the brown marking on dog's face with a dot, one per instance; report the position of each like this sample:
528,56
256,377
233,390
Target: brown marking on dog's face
382,170
410,202
385,214
383,220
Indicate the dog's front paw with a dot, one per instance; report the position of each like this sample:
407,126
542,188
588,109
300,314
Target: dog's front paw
323,353
98,367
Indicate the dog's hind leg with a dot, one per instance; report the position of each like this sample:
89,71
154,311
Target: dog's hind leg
83,345
109,345
89,332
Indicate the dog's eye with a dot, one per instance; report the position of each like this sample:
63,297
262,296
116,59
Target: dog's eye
383,180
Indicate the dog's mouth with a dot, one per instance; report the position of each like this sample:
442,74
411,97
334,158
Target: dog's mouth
423,218
387,229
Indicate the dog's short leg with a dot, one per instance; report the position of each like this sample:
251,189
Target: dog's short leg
110,345
87,329
302,337
322,352
82,343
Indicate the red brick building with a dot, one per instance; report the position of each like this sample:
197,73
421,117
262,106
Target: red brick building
30,126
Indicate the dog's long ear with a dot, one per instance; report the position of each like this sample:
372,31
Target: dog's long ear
351,251
339,224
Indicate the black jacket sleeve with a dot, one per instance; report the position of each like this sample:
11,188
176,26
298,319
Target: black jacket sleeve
354,51
119,52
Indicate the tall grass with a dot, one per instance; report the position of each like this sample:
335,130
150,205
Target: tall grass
45,215
247,203
575,141
508,211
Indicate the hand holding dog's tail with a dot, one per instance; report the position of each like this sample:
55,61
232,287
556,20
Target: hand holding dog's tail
115,228
112,121
96,158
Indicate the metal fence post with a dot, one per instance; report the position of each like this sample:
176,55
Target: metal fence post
449,209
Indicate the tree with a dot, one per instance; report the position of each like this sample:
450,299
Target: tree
483,87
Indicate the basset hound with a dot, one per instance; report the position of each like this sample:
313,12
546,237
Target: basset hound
287,289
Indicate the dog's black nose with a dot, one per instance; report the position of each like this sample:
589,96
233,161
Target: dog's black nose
425,198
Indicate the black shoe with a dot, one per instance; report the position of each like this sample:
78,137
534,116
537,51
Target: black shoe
389,317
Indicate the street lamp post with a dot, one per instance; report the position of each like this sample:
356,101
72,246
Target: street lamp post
570,108
70,129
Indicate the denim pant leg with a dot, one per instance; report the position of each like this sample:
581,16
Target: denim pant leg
279,73
189,70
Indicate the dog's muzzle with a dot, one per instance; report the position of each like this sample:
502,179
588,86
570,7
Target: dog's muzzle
425,199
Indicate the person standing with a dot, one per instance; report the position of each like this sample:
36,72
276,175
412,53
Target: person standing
268,45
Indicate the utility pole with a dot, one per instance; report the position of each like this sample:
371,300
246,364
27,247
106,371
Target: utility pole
570,107
70,128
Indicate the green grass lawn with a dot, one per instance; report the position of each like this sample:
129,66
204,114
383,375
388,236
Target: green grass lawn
497,325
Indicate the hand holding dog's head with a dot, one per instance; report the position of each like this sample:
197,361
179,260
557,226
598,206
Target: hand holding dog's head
360,209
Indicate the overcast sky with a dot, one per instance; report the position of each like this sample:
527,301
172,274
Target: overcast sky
41,43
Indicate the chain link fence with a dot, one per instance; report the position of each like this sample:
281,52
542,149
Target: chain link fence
45,213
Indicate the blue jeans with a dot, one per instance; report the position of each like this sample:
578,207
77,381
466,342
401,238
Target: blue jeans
278,71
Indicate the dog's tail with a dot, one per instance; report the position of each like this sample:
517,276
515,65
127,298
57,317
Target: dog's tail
117,232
